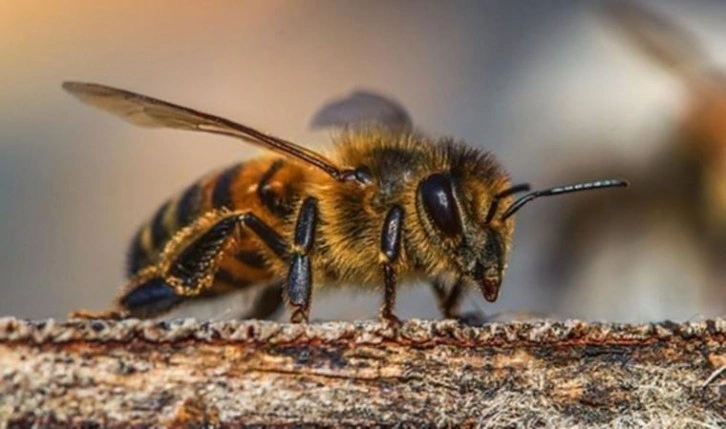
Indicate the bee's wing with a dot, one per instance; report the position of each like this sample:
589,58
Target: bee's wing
661,39
154,113
363,108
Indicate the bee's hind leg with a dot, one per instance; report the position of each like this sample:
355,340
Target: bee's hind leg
186,269
146,295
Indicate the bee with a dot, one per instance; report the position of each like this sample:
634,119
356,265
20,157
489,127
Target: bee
387,206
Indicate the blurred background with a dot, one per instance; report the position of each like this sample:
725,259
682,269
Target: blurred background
558,90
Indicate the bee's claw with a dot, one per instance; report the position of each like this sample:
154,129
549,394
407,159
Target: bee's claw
106,315
299,316
392,322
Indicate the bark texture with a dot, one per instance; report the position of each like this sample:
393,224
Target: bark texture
187,374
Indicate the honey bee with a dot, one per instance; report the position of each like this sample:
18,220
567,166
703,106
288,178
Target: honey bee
388,206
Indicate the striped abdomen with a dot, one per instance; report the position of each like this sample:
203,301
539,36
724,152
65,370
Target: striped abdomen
266,187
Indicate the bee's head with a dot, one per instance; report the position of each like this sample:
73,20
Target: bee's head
469,224
469,241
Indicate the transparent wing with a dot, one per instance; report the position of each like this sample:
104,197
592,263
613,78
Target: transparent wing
360,108
150,112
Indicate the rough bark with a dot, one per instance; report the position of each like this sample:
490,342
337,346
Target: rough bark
186,373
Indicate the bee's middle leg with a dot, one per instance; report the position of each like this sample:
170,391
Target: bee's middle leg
299,278
390,252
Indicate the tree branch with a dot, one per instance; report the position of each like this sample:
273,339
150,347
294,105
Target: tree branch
182,373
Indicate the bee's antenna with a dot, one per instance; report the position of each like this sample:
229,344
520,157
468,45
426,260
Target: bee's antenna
557,190
523,187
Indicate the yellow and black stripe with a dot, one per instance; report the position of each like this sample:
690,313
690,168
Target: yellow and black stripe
151,238
276,183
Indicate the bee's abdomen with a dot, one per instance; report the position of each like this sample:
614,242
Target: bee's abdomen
150,239
266,187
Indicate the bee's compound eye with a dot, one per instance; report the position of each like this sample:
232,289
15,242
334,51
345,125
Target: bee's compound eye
437,196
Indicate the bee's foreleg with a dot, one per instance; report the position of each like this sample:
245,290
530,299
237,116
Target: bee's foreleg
448,301
390,251
299,279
